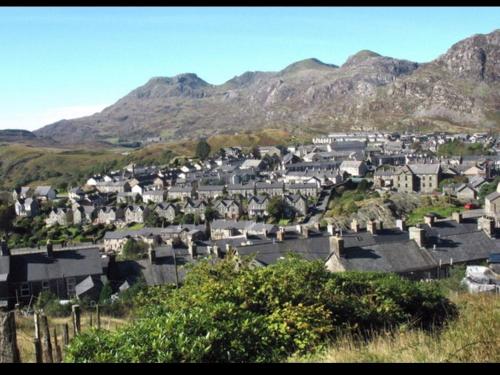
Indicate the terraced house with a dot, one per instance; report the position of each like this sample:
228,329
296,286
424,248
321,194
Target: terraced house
136,214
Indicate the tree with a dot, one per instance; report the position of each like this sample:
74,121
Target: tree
7,216
187,219
134,250
152,219
256,152
276,207
210,213
105,294
202,149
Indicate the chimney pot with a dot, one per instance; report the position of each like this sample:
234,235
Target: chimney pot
337,245
355,226
371,226
457,216
418,235
400,223
330,229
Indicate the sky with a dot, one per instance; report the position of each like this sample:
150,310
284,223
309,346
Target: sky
68,62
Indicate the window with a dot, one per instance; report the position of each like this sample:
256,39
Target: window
25,289
70,286
45,285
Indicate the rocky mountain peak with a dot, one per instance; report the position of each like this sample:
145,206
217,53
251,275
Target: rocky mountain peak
307,64
360,57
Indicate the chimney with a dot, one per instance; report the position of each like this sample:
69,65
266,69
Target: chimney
337,245
418,235
305,232
380,225
228,248
429,219
217,251
50,249
152,255
298,228
354,225
330,229
317,226
401,224
457,216
280,235
193,249
371,226
5,248
487,225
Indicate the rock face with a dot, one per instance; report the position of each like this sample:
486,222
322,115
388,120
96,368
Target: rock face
460,90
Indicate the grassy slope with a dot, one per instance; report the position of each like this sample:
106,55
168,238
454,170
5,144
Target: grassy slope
52,166
473,337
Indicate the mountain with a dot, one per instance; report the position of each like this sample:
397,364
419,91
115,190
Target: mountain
459,91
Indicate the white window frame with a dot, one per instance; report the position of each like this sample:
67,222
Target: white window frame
25,289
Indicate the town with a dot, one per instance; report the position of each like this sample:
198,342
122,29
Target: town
147,222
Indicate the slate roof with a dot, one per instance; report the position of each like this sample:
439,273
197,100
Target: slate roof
37,266
425,168
211,188
492,196
42,190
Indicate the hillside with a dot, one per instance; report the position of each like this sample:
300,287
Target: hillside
460,90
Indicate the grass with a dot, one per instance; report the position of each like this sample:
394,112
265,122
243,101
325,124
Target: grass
135,226
473,337
440,207
26,331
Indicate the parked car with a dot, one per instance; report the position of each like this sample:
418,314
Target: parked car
470,206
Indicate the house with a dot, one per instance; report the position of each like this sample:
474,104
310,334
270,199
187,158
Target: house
109,215
271,189
22,193
210,191
257,206
113,186
26,207
221,229
127,197
45,193
167,211
26,274
239,189
475,171
153,196
76,193
492,204
228,208
269,150
196,207
180,192
84,214
254,164
398,178
465,192
307,189
355,168
297,204
61,216
427,176
136,214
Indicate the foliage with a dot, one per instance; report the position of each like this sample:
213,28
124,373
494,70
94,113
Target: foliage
276,207
442,207
229,311
459,148
133,249
211,213
49,303
453,180
488,188
7,215
202,149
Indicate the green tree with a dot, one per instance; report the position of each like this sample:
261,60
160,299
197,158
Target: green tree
276,207
7,216
105,295
134,250
211,213
202,149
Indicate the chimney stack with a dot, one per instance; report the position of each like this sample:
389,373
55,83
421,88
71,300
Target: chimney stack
280,235
457,216
152,255
429,219
418,235
5,248
401,224
317,226
330,229
371,226
192,249
354,225
228,248
50,249
380,225
487,224
337,245
305,232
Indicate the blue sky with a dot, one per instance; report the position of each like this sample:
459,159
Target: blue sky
68,62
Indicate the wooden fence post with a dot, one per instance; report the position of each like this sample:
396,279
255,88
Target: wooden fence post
9,352
90,321
38,350
49,358
98,316
36,317
65,334
76,319
57,347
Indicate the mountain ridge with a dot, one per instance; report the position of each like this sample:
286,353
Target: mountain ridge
458,90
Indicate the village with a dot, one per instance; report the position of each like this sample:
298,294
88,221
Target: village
147,222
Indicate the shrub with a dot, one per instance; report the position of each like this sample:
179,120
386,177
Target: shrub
229,311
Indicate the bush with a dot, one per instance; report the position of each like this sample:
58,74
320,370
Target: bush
49,303
231,312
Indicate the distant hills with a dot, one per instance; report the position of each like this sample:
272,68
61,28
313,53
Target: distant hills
458,91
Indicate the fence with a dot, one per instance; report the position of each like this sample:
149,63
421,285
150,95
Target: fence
49,343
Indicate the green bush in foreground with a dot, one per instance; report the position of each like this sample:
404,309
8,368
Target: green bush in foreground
231,312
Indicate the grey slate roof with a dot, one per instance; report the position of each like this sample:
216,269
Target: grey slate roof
65,263
425,168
